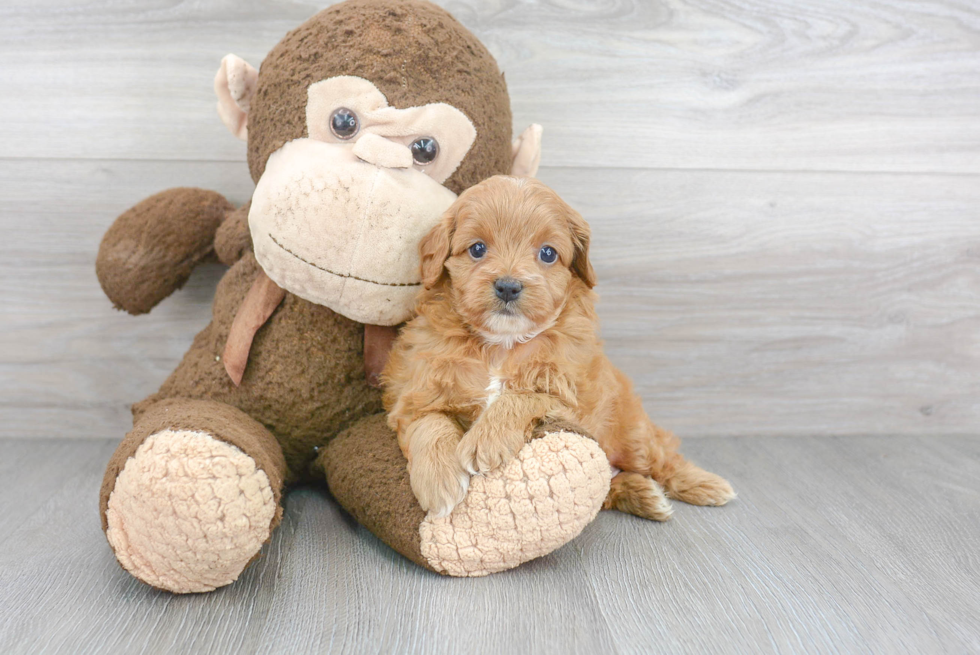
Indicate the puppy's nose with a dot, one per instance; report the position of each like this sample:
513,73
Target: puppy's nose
507,288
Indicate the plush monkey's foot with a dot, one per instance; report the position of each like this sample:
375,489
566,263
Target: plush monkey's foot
186,510
189,512
531,506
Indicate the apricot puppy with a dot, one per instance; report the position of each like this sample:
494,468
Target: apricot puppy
506,335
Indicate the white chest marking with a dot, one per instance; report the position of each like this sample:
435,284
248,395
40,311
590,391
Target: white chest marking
495,387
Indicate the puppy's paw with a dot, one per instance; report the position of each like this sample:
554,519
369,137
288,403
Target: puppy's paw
696,486
639,495
485,448
439,483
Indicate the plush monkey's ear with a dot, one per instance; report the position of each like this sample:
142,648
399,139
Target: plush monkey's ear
235,85
527,151
434,248
581,236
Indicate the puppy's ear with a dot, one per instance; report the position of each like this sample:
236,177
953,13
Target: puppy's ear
581,236
434,248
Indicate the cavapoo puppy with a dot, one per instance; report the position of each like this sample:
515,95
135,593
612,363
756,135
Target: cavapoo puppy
506,336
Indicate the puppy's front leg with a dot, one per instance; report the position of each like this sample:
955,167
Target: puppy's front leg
437,478
502,430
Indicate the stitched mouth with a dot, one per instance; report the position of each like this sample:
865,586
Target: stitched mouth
350,277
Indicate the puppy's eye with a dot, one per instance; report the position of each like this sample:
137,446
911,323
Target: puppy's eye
547,254
343,123
424,150
478,250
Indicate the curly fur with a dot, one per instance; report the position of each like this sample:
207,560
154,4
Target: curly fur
472,374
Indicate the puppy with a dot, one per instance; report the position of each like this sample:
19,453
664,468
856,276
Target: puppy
506,336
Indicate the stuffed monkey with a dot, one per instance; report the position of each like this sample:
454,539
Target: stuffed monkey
362,126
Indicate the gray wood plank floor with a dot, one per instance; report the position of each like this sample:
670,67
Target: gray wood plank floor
858,545
741,303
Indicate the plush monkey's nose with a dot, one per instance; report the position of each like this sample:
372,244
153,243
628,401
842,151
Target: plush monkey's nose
507,288
377,150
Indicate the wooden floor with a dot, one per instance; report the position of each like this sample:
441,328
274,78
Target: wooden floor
858,545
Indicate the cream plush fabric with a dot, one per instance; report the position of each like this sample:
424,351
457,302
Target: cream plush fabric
332,228
555,486
450,127
189,512
234,84
527,151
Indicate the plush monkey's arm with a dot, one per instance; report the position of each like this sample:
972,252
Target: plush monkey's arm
151,249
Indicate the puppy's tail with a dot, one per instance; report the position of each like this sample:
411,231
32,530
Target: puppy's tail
692,484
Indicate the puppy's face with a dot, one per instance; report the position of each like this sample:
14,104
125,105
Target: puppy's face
511,248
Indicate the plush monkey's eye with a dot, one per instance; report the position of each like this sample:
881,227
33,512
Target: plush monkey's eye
547,254
424,150
478,250
343,123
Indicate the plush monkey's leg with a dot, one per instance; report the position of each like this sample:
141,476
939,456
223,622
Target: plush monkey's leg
531,506
191,494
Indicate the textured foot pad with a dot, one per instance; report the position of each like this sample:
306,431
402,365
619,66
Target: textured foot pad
535,504
189,512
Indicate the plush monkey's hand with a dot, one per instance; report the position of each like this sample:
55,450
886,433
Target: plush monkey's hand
233,240
152,248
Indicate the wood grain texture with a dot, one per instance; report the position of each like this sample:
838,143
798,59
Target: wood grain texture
745,84
745,303
741,303
773,297
833,546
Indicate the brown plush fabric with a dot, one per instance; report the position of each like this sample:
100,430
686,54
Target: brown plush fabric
152,248
305,378
553,425
305,381
376,491
414,52
220,421
233,239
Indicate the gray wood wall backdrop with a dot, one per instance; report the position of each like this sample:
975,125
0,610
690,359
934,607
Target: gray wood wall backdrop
785,196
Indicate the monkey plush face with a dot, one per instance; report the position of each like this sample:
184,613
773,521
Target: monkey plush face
362,126
335,215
